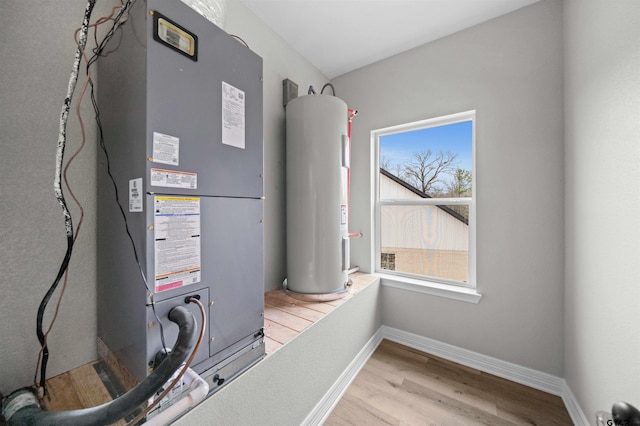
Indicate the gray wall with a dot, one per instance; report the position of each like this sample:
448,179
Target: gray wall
510,71
37,51
280,61
602,159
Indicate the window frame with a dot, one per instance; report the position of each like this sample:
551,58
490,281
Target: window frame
403,279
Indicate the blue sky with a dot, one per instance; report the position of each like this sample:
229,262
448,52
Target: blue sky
457,138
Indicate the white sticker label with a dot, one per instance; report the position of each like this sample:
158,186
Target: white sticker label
343,217
176,230
174,179
233,116
135,195
176,37
166,149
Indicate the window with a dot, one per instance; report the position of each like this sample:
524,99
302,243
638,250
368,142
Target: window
388,261
425,200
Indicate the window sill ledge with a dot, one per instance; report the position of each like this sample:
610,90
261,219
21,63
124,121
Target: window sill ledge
462,294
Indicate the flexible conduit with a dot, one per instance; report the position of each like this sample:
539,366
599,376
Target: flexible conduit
21,408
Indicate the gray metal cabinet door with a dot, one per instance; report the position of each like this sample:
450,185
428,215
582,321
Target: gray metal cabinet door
233,267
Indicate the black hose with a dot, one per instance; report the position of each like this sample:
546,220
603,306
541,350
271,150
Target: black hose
328,85
124,405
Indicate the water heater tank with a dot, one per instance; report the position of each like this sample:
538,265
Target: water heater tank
317,210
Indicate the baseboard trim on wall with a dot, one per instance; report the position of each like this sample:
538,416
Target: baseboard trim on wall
328,402
513,372
516,373
574,409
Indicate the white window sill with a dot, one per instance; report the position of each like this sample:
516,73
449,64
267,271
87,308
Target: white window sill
462,294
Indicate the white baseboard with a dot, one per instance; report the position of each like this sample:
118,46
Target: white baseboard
516,373
576,413
328,402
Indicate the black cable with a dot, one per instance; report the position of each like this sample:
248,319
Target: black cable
62,140
124,216
117,22
97,53
328,85
82,41
241,40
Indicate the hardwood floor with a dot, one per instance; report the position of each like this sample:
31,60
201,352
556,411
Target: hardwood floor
83,387
402,386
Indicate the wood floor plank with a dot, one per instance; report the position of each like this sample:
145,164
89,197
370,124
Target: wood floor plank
356,412
278,332
89,387
340,301
359,281
271,345
77,389
61,394
469,395
401,405
292,308
389,393
286,319
417,366
316,306
530,411
415,388
451,407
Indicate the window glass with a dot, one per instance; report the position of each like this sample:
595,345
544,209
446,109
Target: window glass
425,195
437,161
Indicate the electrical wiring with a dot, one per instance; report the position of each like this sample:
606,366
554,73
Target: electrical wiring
62,139
81,41
124,216
328,85
240,39
184,369
97,53
81,37
79,225
66,180
119,20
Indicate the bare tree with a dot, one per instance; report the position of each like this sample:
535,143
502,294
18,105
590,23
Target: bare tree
391,166
425,170
385,163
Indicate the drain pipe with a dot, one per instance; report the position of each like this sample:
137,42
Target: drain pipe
199,391
22,408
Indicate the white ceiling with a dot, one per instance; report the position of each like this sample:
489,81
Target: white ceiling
338,36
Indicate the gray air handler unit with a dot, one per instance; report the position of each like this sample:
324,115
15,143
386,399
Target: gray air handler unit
181,107
317,208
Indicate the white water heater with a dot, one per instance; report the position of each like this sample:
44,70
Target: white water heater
317,207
